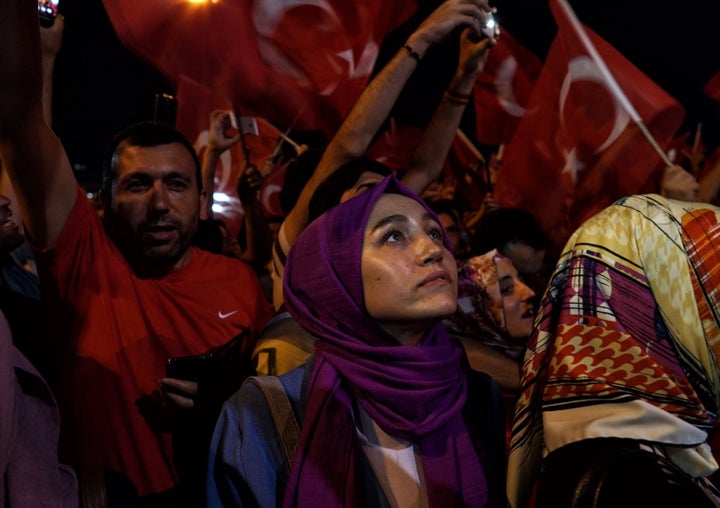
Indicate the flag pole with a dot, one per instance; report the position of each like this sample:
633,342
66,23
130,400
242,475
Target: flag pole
612,84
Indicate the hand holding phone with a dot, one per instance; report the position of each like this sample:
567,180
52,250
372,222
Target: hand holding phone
488,25
47,11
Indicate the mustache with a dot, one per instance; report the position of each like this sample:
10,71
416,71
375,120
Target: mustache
159,223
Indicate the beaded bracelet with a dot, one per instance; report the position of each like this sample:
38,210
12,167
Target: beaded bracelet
414,54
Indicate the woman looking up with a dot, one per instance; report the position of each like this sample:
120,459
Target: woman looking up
391,413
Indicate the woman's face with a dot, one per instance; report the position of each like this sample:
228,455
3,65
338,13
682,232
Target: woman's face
409,277
516,301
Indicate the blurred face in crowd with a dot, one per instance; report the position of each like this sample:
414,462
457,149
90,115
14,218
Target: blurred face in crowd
409,277
452,231
367,180
517,307
155,205
530,264
526,259
10,237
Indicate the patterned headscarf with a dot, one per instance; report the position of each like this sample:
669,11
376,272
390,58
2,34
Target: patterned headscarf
480,312
412,392
627,340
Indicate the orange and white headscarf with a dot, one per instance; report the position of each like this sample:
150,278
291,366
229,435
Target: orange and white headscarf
626,341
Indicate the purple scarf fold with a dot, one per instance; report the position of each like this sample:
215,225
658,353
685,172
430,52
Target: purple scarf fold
413,392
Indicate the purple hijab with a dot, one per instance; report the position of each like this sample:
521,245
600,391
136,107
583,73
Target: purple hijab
413,392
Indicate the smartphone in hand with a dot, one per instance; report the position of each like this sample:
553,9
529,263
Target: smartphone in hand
47,11
189,368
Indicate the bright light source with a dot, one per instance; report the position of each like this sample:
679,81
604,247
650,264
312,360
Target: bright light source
221,197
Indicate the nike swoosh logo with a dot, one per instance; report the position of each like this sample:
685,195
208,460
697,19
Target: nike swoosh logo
222,315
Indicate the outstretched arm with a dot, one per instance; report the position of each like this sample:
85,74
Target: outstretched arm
50,42
374,104
258,238
218,142
36,162
437,138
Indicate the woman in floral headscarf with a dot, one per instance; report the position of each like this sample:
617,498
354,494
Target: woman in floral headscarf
620,384
493,320
494,305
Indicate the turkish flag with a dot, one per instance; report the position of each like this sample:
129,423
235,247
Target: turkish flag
298,63
195,103
577,148
503,89
395,146
467,165
712,87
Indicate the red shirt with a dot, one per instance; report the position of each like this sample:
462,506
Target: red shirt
116,332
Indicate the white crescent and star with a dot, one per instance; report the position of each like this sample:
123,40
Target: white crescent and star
583,68
268,15
504,87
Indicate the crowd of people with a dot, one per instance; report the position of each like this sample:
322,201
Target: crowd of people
373,349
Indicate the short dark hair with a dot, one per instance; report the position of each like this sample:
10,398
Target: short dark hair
447,206
330,191
146,134
498,228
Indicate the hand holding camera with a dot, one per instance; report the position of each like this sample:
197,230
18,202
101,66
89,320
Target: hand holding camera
47,11
487,25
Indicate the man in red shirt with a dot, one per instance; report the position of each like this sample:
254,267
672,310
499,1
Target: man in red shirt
128,291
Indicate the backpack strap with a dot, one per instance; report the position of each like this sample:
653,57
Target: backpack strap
286,424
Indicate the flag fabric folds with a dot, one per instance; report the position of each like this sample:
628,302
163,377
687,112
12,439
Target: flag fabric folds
195,103
712,87
502,91
299,63
577,148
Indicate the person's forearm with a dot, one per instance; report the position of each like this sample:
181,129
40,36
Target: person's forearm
367,115
209,163
356,133
427,159
48,64
258,238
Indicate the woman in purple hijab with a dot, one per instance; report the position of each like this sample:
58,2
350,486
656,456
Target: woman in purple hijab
391,413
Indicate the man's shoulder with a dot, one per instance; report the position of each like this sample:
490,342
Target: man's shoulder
83,229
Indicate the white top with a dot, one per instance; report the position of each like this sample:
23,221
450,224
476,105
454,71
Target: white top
394,463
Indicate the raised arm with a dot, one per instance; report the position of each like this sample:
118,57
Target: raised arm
35,160
218,142
377,99
427,160
258,238
50,42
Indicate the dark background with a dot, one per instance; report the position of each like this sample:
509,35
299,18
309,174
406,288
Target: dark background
101,87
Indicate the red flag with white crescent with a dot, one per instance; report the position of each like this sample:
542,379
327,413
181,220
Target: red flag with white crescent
298,63
195,103
502,91
577,149
712,87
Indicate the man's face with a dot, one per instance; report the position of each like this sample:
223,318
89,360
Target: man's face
155,205
10,237
530,264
